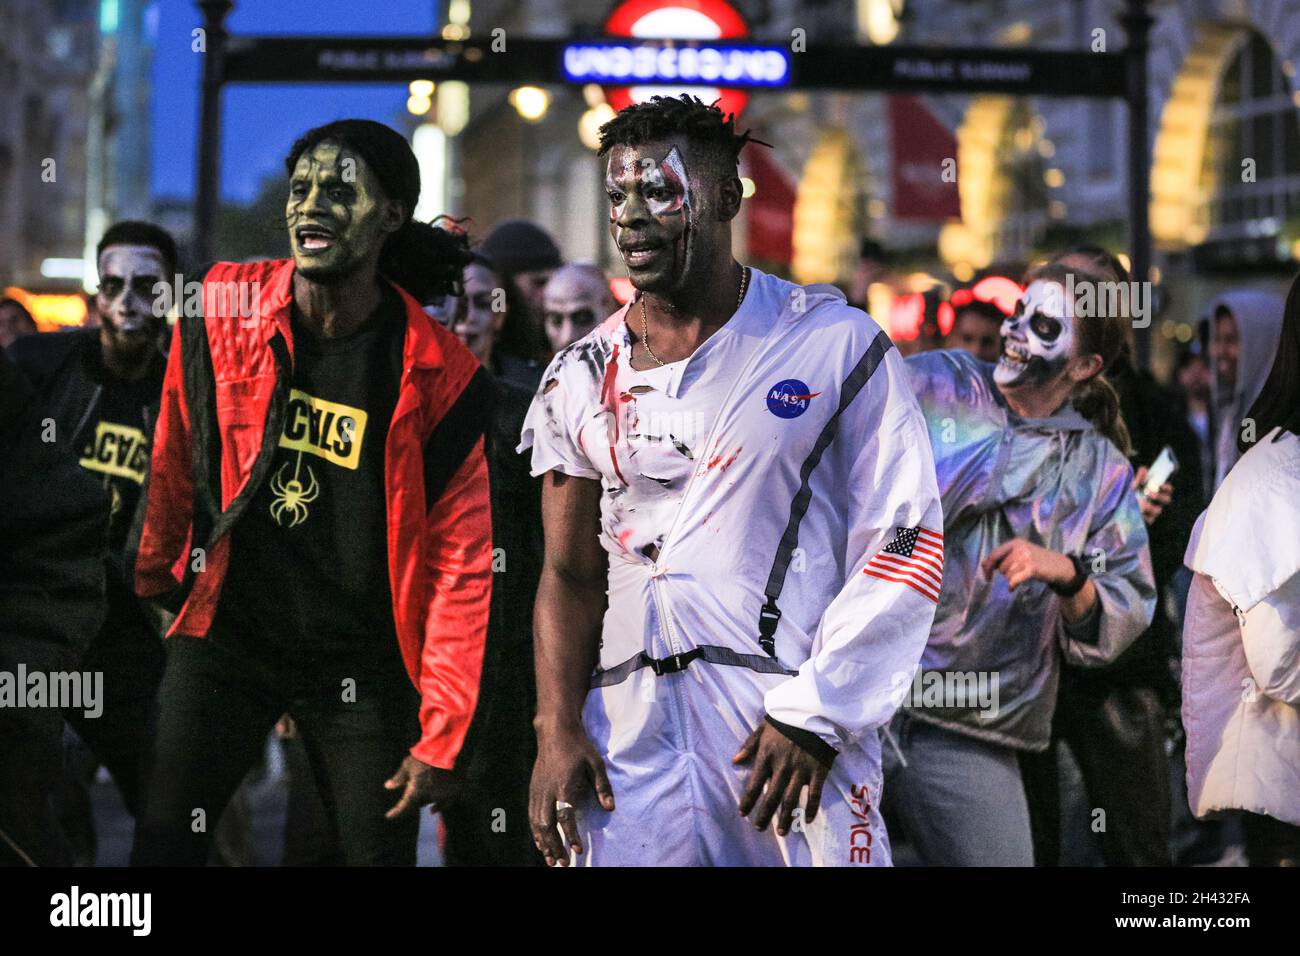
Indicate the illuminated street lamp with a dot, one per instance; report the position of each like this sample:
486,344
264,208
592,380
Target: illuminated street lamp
530,102
591,122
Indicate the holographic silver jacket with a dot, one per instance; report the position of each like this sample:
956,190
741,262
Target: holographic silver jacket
1056,482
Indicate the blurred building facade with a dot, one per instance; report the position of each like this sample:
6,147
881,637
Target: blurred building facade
74,137
1033,173
1224,135
47,59
118,134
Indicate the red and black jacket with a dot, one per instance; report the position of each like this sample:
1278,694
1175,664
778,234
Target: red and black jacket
223,405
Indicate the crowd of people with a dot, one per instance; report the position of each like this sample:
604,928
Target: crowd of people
718,574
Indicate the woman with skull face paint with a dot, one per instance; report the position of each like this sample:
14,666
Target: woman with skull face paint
1046,559
1113,718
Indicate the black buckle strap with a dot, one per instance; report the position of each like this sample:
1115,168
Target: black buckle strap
709,653
768,618
674,664
852,385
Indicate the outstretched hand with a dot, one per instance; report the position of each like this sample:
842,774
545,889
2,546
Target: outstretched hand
1020,561
420,784
785,769
567,771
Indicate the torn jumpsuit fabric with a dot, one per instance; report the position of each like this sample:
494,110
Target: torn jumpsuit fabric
794,422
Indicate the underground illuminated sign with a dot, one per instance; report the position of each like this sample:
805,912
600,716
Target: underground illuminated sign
696,64
636,64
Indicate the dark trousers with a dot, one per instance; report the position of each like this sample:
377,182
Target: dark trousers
487,824
309,833
128,651
31,765
1117,736
217,704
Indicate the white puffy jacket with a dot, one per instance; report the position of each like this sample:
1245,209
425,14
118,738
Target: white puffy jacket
1241,639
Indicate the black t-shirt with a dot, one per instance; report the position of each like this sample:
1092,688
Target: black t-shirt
113,444
308,575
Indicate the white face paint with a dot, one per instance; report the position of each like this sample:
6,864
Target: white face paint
663,185
1037,338
652,213
126,298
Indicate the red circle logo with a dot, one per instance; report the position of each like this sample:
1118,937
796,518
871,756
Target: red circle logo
677,20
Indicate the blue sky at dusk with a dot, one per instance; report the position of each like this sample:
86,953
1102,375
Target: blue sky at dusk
261,122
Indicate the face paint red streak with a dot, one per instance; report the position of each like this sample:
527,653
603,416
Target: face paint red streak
608,394
675,186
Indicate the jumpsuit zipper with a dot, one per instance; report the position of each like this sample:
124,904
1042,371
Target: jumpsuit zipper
690,482
669,635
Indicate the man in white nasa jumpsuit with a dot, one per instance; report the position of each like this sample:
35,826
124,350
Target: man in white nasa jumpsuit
739,462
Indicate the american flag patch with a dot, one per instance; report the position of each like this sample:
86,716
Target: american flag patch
914,558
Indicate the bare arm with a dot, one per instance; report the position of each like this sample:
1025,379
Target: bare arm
570,599
566,623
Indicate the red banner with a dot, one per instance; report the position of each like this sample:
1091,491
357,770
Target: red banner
771,208
925,186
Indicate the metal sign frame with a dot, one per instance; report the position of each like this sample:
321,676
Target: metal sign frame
913,69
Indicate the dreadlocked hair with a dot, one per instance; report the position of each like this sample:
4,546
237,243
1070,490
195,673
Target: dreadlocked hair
661,117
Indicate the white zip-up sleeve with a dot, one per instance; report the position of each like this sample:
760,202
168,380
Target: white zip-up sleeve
868,644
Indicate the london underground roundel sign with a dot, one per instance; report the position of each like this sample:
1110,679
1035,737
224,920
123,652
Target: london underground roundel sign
677,20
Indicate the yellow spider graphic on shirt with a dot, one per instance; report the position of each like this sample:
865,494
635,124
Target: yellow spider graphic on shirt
291,496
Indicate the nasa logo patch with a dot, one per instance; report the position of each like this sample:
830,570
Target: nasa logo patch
789,398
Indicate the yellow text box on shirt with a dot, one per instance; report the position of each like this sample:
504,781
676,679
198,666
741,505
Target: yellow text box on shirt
329,430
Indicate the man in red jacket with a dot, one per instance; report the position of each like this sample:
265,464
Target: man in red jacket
318,507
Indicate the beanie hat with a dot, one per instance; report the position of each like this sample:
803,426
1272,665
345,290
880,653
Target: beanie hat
518,245
384,149
423,259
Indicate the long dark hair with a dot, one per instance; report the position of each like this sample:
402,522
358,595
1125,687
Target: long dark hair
1278,405
423,259
1095,398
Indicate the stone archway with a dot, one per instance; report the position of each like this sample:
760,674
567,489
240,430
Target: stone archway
1000,180
829,210
1179,153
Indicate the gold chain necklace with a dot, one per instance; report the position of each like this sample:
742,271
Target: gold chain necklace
645,325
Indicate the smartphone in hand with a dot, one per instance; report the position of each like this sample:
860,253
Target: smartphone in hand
1161,470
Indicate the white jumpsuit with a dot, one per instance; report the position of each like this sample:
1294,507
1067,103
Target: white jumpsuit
795,422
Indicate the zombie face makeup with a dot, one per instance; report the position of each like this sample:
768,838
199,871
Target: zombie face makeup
476,323
576,299
1037,338
337,213
126,297
655,213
